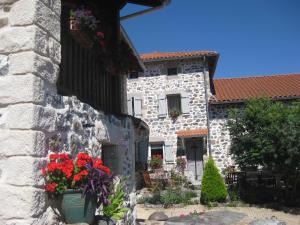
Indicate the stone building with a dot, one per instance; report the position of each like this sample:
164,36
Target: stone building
57,92
187,110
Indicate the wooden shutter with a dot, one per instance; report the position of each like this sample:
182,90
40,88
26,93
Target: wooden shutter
138,107
162,106
168,153
163,71
185,103
129,106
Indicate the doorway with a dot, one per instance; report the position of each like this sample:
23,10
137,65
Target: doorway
194,156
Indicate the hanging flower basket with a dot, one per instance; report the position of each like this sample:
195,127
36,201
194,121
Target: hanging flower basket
79,34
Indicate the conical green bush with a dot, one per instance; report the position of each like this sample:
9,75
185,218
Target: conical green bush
213,188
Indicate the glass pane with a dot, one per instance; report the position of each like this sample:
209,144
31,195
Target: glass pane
174,103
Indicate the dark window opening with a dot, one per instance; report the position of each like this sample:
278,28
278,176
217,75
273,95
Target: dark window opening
133,75
172,71
174,104
157,149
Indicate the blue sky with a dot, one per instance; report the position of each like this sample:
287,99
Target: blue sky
253,37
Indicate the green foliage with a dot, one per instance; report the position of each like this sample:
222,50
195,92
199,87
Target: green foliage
156,162
116,209
213,188
179,180
170,197
266,133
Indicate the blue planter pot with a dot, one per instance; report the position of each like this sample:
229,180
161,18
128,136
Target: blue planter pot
76,209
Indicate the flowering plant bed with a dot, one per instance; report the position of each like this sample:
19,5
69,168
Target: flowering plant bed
156,162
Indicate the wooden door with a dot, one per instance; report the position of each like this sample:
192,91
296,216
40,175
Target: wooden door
194,155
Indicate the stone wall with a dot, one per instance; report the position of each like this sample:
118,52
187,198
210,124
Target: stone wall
219,135
153,83
29,58
33,116
81,128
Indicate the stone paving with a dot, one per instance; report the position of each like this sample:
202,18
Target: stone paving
252,215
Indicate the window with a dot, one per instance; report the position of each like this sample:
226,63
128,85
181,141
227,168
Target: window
174,104
172,71
133,75
157,149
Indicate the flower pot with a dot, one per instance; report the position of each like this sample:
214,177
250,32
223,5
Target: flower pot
76,209
80,35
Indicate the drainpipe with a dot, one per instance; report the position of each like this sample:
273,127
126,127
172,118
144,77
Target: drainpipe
206,106
142,12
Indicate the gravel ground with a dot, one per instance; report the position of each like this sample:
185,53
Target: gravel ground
251,213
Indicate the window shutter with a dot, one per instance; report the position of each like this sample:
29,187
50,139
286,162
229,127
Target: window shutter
163,71
138,107
185,103
129,106
169,154
179,69
162,106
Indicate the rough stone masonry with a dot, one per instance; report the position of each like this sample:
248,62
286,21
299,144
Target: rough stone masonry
32,113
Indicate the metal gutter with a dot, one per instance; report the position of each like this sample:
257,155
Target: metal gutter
143,12
206,106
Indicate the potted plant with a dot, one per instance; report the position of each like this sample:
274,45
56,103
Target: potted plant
84,184
156,162
84,28
174,113
115,210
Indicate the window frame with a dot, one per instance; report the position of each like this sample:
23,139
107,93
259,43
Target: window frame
158,144
168,102
172,73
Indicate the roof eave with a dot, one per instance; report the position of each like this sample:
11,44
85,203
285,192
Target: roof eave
134,51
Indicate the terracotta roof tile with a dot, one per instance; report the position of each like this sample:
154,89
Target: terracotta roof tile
155,56
192,133
240,89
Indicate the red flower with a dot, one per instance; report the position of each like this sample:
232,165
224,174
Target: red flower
80,175
51,187
63,156
67,168
104,169
98,163
52,166
100,35
53,157
83,159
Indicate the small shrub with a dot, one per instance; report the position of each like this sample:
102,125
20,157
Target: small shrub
213,187
177,196
156,162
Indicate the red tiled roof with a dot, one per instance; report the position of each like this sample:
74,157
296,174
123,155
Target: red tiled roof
175,55
240,89
192,133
